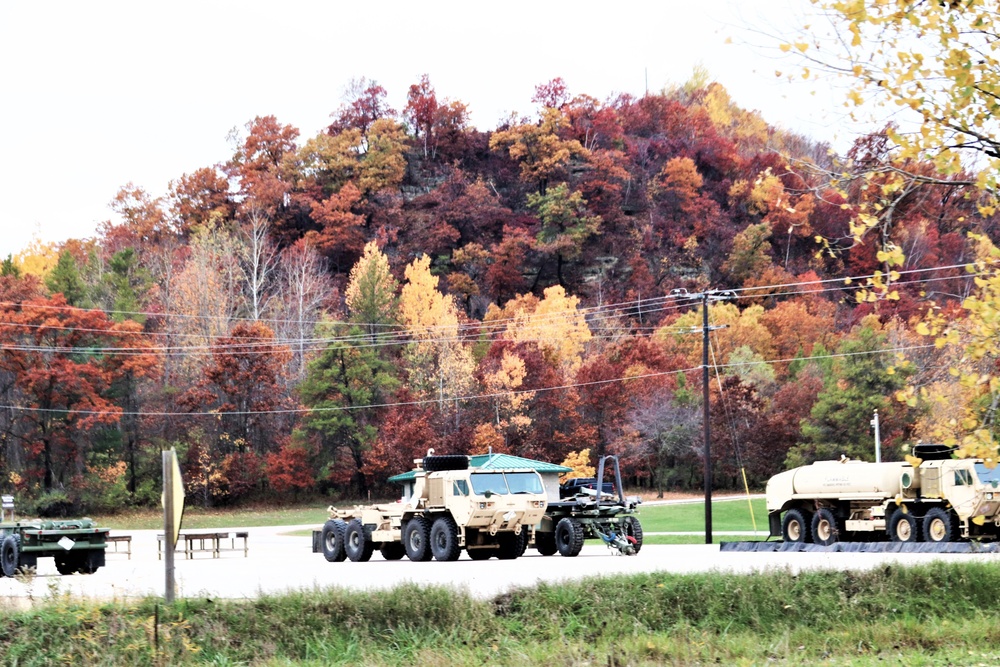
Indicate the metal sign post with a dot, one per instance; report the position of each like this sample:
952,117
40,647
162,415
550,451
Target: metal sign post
173,509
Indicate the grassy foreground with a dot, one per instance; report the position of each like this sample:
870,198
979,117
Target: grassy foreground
928,615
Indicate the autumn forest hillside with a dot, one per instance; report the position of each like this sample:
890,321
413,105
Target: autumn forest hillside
314,313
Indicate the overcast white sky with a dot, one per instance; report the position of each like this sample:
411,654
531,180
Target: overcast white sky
94,95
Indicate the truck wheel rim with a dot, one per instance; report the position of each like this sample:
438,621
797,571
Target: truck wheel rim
794,531
903,531
937,530
823,530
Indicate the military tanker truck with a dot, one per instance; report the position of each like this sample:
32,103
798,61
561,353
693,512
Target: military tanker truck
939,499
452,508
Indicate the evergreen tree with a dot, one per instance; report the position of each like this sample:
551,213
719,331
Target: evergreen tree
858,384
65,279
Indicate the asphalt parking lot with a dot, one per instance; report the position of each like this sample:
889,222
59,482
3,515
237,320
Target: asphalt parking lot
277,562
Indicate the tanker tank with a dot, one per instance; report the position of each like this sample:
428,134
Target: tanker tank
835,477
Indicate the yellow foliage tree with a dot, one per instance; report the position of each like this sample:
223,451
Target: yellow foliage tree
553,323
539,148
510,405
970,347
38,258
371,291
439,360
580,463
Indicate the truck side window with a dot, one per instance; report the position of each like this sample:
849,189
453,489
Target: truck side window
460,488
963,478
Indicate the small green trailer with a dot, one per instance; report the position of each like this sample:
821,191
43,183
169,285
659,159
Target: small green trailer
76,545
591,514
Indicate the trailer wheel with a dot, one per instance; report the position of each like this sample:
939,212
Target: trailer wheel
825,527
446,462
358,546
939,526
65,564
87,563
10,555
569,537
545,543
444,539
795,526
633,529
392,550
416,539
333,540
904,527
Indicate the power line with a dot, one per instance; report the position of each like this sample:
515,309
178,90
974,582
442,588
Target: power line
403,336
518,392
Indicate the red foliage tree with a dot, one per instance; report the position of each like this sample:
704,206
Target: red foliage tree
245,383
199,197
289,469
61,368
405,434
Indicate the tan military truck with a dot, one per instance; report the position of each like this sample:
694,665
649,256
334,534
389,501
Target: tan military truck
940,499
485,512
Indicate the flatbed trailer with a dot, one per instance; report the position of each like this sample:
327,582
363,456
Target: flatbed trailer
593,515
75,545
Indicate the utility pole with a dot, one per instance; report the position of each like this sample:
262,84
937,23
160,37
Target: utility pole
706,296
707,424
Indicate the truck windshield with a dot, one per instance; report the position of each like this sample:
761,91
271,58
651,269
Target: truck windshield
989,477
488,481
501,484
524,482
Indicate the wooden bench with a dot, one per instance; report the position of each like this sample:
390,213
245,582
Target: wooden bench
120,539
190,543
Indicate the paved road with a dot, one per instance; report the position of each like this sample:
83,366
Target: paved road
278,562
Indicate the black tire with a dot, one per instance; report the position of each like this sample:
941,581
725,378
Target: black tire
569,537
903,526
825,527
795,526
333,540
392,550
87,564
545,543
65,564
446,462
481,554
509,546
939,526
444,539
10,555
417,539
523,538
632,528
357,544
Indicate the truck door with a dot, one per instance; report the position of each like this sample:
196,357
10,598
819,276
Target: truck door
961,490
460,503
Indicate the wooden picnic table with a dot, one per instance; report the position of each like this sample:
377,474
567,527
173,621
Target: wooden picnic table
212,542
